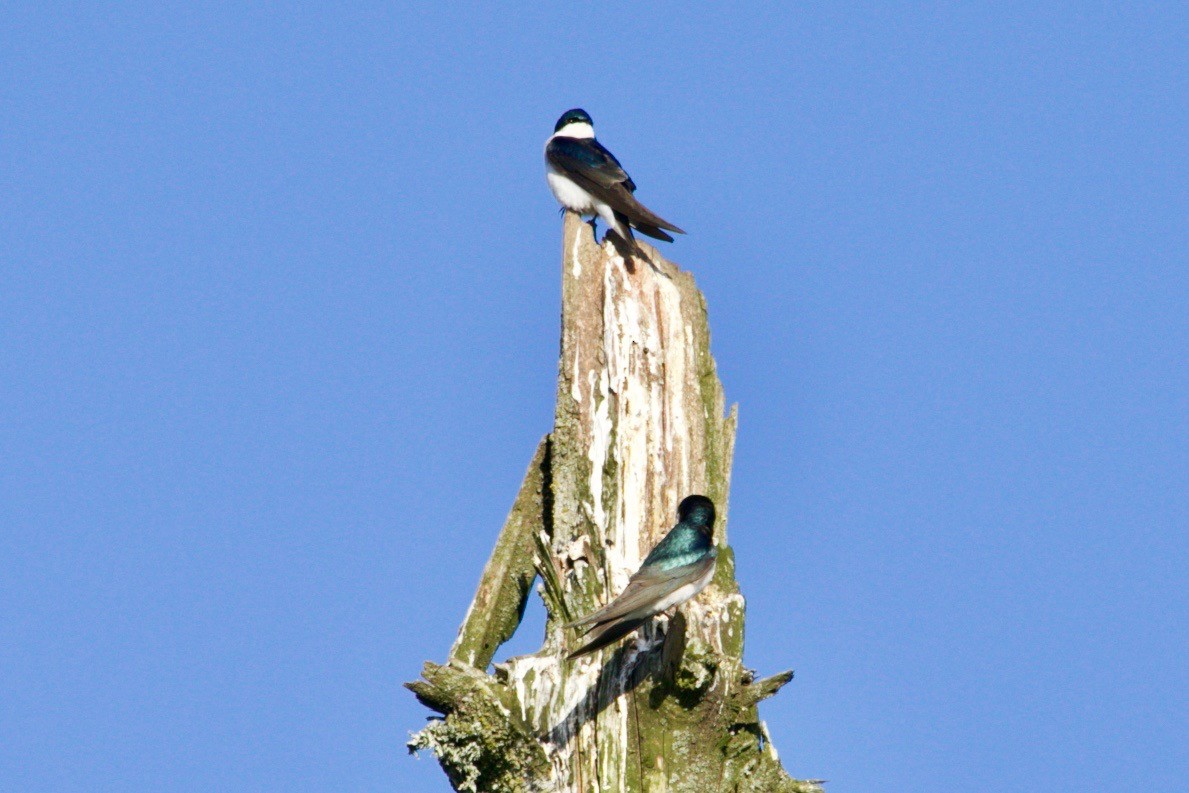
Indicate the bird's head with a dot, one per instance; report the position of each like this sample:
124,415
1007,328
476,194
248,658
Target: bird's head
574,123
697,511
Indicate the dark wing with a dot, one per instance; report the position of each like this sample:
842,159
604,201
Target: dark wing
645,588
588,160
654,232
602,635
595,170
627,180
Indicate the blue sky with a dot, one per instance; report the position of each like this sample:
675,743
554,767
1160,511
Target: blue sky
279,309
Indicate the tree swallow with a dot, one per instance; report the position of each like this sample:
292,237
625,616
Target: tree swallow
587,179
679,567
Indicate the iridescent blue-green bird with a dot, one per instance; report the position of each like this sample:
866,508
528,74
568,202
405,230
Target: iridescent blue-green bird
586,178
679,567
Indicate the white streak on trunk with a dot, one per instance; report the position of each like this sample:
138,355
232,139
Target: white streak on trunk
575,259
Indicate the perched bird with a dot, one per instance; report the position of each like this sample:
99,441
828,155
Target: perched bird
679,567
587,179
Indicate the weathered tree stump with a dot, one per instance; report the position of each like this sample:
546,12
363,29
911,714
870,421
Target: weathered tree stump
639,424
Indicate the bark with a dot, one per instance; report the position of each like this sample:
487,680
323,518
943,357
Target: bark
639,425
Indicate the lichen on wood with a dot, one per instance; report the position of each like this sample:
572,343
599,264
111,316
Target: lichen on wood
640,423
